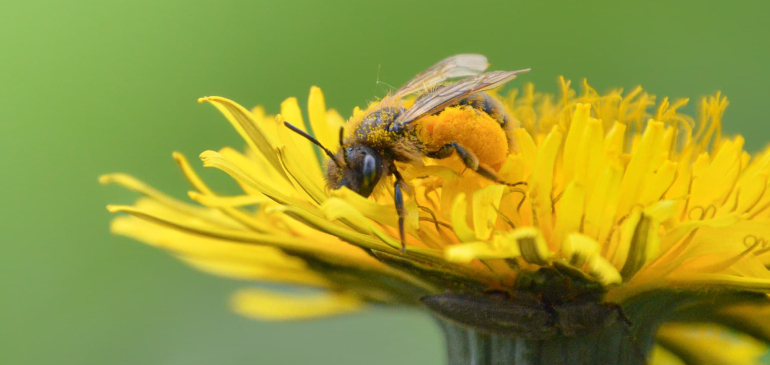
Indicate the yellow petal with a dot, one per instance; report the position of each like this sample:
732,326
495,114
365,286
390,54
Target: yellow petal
526,242
541,184
752,192
277,306
659,183
336,208
680,232
325,247
179,207
414,172
194,245
640,239
228,201
467,252
515,168
661,356
253,164
582,250
715,181
344,233
590,156
217,160
459,220
486,203
134,184
603,270
339,209
221,257
601,206
242,217
259,273
613,143
307,152
574,139
681,186
569,212
639,167
617,251
243,122
710,344
325,132
336,121
577,248
312,184
198,227
532,245
381,213
527,147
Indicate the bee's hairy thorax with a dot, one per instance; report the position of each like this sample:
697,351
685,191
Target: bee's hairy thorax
374,131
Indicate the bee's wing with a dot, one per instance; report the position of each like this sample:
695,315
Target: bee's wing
454,66
446,95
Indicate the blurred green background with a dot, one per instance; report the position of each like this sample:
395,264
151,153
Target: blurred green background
91,87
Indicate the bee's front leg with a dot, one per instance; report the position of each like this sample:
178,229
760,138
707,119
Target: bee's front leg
398,196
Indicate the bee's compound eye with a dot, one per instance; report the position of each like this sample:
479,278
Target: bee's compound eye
370,167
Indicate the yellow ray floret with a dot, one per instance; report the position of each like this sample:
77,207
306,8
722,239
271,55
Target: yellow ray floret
276,306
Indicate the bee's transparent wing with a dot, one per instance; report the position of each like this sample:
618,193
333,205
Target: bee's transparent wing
455,66
446,95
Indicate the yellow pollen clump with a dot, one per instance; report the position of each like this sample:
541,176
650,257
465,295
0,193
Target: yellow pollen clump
472,129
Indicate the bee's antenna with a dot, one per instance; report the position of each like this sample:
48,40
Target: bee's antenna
315,142
378,82
342,139
386,84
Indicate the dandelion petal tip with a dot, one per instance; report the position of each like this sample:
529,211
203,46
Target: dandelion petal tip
206,154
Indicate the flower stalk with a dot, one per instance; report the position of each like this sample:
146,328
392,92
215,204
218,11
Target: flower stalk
611,345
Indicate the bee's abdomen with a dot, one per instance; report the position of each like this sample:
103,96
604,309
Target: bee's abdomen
472,129
488,104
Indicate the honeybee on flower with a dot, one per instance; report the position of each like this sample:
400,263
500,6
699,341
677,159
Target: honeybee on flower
388,131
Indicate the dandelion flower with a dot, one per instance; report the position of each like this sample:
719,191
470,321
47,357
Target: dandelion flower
641,234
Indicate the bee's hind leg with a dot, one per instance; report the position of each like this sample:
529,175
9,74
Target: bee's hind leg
398,196
471,161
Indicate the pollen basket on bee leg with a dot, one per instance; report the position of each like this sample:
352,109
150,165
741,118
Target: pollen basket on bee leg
474,130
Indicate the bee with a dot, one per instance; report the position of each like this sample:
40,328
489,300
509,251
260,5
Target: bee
387,132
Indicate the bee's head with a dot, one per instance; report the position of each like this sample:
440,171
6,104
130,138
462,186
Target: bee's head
356,166
361,171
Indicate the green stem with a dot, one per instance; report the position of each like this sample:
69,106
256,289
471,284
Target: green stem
486,330
610,345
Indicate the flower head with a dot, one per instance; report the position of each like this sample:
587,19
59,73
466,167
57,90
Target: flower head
634,199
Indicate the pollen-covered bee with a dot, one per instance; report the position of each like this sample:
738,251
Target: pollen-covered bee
387,131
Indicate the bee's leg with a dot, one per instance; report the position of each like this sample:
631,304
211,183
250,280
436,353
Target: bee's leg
398,196
470,160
